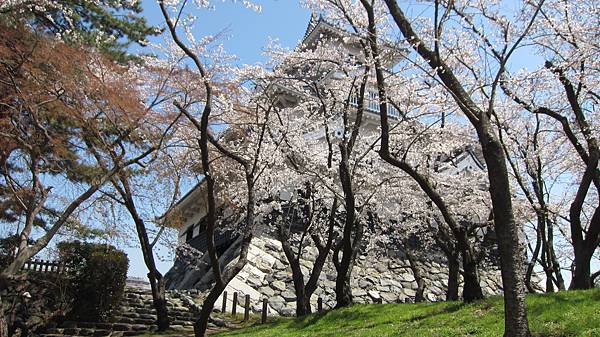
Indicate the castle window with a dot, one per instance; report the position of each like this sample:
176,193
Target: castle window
372,99
189,234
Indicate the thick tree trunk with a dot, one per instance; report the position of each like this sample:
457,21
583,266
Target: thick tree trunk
343,291
581,274
453,272
584,248
511,254
302,302
471,287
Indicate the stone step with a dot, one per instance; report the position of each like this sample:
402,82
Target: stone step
148,313
127,320
75,328
80,332
184,323
136,316
150,305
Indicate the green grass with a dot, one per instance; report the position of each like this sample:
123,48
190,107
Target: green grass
573,313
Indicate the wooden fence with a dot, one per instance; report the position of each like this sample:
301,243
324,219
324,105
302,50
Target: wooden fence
265,306
44,266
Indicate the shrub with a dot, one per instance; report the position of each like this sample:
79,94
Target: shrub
97,273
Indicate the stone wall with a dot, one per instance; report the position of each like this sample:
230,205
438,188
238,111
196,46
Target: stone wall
375,278
49,297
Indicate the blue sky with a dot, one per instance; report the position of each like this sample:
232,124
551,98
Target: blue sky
248,32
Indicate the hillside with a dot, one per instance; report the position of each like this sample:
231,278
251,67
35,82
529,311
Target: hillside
572,313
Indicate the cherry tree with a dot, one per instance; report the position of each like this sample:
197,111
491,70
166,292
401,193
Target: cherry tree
329,140
413,131
538,158
235,163
563,94
472,78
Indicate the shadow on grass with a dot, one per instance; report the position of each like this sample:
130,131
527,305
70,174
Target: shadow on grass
344,317
446,310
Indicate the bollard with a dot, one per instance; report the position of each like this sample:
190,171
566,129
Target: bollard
319,304
247,308
263,318
234,308
224,307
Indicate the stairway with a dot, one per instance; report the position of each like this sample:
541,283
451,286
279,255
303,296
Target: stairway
136,316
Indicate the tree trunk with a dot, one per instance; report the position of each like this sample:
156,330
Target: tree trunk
582,274
511,254
584,248
154,276
545,258
297,276
534,256
412,262
302,302
3,323
18,262
343,291
471,287
453,272
208,304
159,300
352,236
560,283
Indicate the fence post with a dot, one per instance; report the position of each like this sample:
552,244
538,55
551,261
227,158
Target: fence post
320,304
263,318
234,308
247,308
224,306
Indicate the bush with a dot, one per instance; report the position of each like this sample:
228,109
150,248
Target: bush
97,273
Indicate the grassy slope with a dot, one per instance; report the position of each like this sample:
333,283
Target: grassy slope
573,313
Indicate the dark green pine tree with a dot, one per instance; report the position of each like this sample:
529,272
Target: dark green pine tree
109,25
